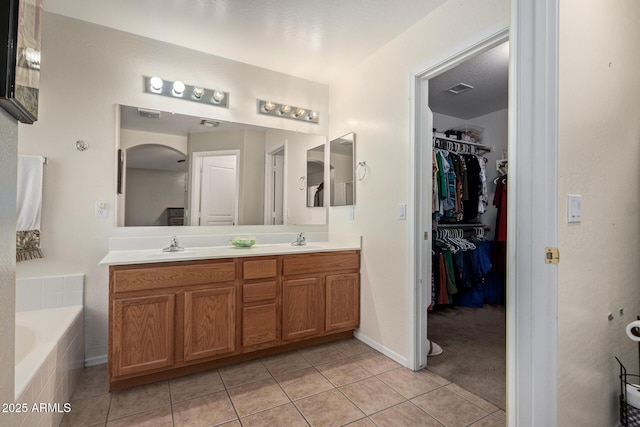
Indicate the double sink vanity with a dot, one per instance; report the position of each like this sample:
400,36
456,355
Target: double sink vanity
179,312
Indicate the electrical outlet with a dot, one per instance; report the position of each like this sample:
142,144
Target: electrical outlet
102,211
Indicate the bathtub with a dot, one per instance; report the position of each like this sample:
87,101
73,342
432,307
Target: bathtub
49,357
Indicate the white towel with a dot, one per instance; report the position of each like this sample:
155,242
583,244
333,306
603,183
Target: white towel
30,172
29,204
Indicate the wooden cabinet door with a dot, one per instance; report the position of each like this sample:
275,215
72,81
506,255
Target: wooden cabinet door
342,309
302,308
209,322
260,325
143,334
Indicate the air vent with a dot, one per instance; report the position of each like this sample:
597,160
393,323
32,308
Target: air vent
459,88
209,123
149,114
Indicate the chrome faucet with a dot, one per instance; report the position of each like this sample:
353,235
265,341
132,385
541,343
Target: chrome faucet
300,240
174,246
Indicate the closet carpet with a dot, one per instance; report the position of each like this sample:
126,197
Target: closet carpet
474,344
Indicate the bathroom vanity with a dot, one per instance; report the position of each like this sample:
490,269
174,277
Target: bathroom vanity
172,318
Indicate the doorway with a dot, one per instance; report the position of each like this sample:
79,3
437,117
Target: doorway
466,130
274,187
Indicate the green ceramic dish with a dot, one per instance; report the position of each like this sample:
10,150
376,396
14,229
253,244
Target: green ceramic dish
243,242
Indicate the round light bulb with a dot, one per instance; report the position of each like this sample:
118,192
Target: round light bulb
284,109
178,88
198,92
268,106
300,112
218,96
313,115
156,83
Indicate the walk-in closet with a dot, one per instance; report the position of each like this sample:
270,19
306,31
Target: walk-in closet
466,318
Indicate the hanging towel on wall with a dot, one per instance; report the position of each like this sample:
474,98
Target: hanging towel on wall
29,204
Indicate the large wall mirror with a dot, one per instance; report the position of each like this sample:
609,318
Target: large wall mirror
184,170
342,170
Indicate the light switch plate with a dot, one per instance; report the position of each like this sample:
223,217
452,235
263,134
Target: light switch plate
102,210
574,208
402,211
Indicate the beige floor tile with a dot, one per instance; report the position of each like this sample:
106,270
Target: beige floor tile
330,408
323,353
404,415
92,382
235,423
195,385
352,346
371,395
286,362
285,415
159,417
257,396
478,401
492,420
209,410
343,371
364,422
449,408
408,383
87,411
436,378
139,399
303,383
243,373
375,362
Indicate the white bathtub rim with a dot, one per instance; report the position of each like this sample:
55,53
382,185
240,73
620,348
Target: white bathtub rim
45,342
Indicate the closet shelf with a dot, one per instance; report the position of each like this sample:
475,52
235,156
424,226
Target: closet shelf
463,225
475,144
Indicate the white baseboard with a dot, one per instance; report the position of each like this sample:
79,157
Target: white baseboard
382,349
93,361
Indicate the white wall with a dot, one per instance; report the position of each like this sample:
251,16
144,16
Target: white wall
150,192
8,184
599,158
86,71
496,136
373,100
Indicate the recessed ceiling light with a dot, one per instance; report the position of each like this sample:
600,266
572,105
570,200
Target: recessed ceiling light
459,88
209,123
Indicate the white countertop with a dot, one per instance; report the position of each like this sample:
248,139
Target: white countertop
144,256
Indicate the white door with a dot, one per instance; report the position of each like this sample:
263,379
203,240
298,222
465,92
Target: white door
274,187
278,188
219,190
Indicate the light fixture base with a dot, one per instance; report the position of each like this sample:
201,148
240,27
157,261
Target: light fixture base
287,111
199,94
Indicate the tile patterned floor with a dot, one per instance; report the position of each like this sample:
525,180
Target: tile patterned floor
336,384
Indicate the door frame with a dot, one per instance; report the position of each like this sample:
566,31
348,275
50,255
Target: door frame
532,296
421,187
196,178
269,183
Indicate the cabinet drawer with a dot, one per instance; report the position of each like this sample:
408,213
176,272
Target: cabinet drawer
320,262
259,269
259,324
252,292
143,278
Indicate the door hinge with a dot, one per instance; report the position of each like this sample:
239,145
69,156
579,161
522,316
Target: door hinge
426,235
551,256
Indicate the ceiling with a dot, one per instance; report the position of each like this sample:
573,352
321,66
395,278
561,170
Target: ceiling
488,73
315,40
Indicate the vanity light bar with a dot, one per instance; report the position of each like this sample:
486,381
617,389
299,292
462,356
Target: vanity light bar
287,111
180,90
